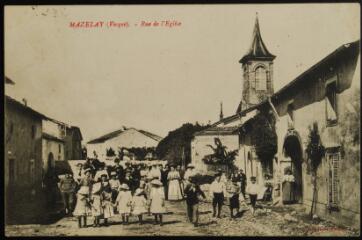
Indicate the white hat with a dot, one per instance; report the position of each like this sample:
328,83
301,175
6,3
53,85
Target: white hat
190,165
84,190
113,174
124,186
96,187
138,191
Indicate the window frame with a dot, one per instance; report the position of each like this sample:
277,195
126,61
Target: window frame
259,76
333,156
331,83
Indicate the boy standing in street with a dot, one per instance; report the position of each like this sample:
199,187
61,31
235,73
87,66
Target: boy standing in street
217,192
193,192
253,189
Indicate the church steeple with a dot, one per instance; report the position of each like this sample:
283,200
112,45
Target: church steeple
257,49
257,66
221,113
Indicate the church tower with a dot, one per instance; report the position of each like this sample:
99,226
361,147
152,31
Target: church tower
257,66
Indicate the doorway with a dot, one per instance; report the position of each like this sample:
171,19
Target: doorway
292,148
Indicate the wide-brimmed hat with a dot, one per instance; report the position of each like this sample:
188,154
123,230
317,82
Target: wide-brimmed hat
124,186
96,187
87,170
138,191
156,182
113,174
190,165
84,190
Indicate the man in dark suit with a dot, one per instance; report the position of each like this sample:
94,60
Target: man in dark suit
164,174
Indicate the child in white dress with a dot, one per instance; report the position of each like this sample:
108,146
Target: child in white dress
139,204
123,201
82,207
96,199
107,205
157,199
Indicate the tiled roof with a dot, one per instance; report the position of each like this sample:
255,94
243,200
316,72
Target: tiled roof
118,132
218,131
51,137
14,102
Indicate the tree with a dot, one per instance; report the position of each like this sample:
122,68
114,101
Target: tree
177,144
315,152
110,152
264,138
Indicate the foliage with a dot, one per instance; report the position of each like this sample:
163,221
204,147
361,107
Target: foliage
264,137
315,150
110,152
227,160
350,120
177,144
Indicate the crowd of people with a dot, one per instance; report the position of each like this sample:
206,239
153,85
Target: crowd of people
103,191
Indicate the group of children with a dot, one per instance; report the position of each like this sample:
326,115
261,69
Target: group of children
96,200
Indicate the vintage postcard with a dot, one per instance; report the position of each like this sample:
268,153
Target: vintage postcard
182,120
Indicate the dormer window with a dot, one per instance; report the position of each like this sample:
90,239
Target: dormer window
331,103
260,78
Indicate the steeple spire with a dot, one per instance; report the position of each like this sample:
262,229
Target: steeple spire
221,113
257,50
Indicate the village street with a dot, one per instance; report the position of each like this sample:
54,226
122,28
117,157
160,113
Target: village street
269,221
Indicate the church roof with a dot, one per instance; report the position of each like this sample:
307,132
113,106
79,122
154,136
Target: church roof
257,49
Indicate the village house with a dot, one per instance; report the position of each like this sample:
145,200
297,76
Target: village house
34,144
324,97
123,138
73,143
23,155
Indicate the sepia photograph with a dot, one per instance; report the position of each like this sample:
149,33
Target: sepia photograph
182,120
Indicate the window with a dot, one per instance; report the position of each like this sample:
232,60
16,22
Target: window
60,148
333,179
331,103
33,131
260,78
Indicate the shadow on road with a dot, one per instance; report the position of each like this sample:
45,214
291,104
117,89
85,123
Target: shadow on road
204,212
171,222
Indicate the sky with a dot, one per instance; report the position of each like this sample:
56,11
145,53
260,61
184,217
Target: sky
158,78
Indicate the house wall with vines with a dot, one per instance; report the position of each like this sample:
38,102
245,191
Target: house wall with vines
338,175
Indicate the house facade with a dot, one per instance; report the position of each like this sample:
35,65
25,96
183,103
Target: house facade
73,143
23,153
53,144
122,138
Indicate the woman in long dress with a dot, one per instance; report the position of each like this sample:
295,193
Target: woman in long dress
174,187
288,187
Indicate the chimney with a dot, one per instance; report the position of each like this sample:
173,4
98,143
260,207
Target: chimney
25,102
